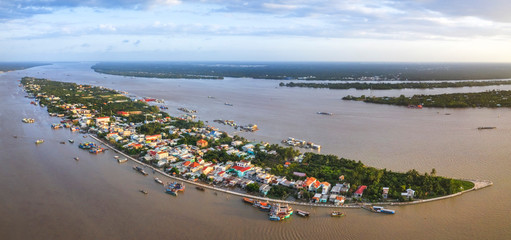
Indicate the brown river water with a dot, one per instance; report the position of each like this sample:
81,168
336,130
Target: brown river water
45,194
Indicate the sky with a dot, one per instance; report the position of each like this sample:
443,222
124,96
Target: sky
259,30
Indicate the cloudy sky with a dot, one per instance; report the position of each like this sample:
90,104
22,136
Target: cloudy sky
259,30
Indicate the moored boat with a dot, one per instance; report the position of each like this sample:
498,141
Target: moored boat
122,160
379,209
302,213
200,188
248,200
280,212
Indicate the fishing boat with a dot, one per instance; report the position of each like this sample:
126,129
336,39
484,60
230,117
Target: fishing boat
264,206
200,188
379,209
229,104
87,145
337,214
280,212
140,170
158,181
143,191
71,140
39,141
248,200
174,187
302,213
122,160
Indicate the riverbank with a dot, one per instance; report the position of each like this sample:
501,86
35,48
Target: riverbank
478,184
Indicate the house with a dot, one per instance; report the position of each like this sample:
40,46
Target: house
264,189
202,143
308,184
153,137
243,163
315,186
316,198
339,200
240,171
385,192
102,120
409,193
325,187
324,198
360,190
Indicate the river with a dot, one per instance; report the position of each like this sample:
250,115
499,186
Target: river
48,195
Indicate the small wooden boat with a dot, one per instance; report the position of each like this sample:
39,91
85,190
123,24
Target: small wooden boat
200,188
71,140
302,213
122,160
248,200
158,181
337,214
143,191
62,142
76,158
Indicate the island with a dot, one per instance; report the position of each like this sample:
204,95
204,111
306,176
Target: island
399,85
198,154
488,99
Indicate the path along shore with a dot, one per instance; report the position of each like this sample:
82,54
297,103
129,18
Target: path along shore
478,184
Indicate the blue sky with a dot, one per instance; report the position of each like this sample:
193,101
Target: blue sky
264,30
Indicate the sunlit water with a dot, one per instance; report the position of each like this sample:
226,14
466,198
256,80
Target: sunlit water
45,194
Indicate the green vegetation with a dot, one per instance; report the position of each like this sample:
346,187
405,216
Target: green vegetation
252,188
309,70
387,86
101,101
329,168
490,99
12,66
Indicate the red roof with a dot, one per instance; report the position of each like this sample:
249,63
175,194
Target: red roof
194,165
360,189
317,184
103,118
241,169
187,163
309,181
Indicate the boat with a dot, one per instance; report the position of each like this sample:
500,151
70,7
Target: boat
39,141
174,187
302,213
87,145
280,212
200,188
122,160
76,158
483,128
228,104
248,200
264,206
143,191
379,209
140,170
116,157
28,120
337,214
71,140
62,142
325,113
158,181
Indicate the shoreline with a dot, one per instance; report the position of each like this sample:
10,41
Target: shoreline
478,184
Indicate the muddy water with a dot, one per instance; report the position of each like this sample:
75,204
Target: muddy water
45,194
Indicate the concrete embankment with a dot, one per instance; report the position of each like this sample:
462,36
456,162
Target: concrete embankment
478,184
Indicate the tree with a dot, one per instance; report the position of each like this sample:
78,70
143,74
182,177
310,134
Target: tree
252,187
